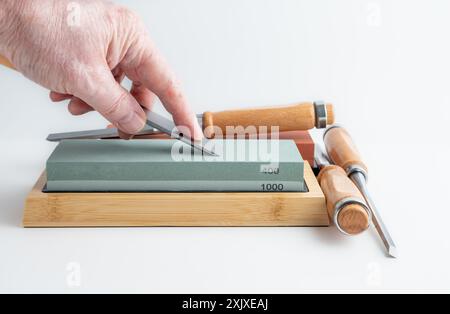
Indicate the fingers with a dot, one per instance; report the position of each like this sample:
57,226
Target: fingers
125,136
58,97
116,104
77,107
144,96
118,74
155,75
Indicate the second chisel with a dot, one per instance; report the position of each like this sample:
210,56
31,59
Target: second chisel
343,152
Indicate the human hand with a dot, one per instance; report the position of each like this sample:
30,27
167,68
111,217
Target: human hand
82,51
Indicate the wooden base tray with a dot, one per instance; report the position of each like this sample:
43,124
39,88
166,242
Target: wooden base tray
176,209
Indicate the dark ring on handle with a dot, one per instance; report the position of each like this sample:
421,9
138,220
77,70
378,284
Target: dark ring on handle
321,114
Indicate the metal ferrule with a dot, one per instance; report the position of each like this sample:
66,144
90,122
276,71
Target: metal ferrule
354,169
345,202
321,114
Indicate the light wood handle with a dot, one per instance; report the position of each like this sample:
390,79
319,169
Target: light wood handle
353,218
5,62
299,117
342,150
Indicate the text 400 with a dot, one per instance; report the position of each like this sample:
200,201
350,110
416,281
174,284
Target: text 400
270,170
272,187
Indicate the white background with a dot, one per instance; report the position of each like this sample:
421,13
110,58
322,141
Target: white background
385,65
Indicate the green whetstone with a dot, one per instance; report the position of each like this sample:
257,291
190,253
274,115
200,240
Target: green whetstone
150,165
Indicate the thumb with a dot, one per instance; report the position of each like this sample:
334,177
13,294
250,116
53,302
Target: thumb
102,92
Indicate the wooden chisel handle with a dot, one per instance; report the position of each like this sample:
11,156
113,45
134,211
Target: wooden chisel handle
299,117
345,204
342,150
5,62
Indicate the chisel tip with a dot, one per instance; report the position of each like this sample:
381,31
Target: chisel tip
393,252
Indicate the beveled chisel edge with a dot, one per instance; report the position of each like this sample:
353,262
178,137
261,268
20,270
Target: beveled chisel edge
167,126
393,252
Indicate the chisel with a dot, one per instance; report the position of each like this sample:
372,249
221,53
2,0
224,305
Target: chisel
345,204
298,117
343,152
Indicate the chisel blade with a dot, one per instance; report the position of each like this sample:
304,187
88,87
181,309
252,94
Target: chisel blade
166,126
94,134
102,134
360,181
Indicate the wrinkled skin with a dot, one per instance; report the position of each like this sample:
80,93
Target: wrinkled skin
81,51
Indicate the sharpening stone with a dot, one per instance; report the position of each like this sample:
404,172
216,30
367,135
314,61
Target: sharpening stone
302,139
149,165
